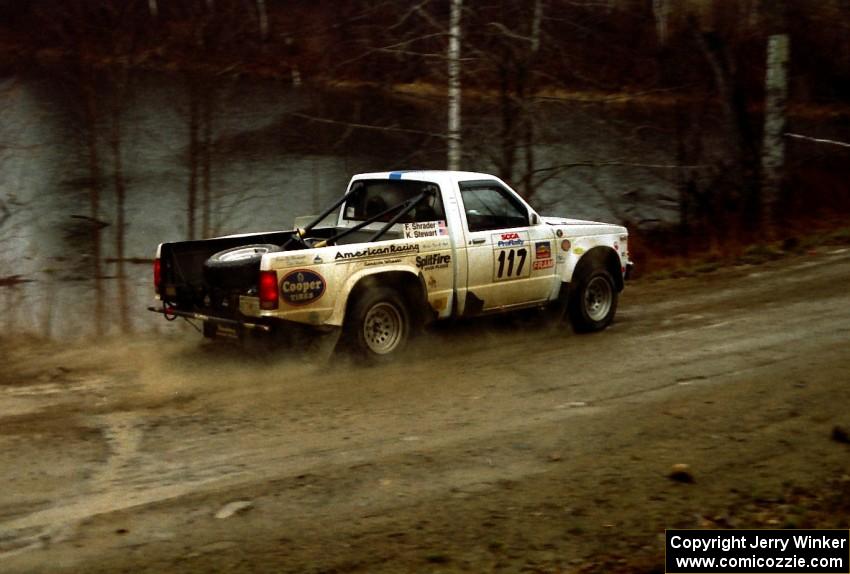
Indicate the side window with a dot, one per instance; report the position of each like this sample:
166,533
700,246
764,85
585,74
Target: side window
490,206
372,197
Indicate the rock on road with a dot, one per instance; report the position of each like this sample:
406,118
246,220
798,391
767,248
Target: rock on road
491,446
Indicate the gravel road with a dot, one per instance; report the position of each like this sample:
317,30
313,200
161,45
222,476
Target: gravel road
497,445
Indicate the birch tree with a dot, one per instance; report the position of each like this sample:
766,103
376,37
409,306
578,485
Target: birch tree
776,95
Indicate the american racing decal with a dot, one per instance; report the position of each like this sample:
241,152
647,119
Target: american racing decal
510,239
433,261
302,287
542,250
425,229
391,250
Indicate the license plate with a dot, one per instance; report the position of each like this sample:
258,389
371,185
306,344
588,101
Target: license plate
226,332
249,305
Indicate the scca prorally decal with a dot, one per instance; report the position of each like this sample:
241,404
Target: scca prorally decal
433,261
404,249
302,287
509,239
542,250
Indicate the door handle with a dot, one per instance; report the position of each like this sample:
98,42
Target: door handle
478,241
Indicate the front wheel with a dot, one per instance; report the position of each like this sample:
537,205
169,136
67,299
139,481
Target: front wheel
379,325
593,302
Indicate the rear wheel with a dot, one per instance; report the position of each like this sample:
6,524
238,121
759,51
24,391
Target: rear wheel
378,325
593,301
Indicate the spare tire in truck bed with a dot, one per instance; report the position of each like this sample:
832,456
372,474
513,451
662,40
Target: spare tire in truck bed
236,268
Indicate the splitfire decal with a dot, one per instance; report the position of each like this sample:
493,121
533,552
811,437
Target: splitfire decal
433,261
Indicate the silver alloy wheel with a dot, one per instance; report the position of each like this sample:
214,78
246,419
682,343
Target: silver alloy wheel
598,296
383,328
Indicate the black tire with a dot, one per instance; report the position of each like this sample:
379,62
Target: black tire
237,267
593,301
378,325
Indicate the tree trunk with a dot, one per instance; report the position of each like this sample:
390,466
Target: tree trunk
773,145
661,12
206,159
194,121
118,95
262,14
91,111
454,149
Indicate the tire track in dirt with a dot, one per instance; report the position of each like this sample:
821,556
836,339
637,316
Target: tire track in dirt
241,424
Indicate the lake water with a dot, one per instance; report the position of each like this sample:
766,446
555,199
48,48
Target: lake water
94,174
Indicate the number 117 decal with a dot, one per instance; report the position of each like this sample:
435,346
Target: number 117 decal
511,264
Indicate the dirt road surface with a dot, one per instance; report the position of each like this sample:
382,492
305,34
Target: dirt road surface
495,446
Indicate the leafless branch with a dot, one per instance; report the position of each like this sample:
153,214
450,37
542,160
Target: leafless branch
366,126
817,140
396,45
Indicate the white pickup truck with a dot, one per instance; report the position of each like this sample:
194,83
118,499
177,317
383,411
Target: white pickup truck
404,248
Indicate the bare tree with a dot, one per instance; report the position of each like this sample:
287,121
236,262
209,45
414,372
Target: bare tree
776,95
263,16
454,133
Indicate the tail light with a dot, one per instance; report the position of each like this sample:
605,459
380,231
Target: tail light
157,274
268,290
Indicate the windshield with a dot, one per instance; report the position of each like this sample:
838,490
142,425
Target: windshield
370,197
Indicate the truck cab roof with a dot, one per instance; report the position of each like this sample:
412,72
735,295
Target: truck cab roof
427,175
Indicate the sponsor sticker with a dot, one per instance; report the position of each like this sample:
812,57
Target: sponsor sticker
433,261
578,250
302,287
374,262
425,229
543,264
542,250
382,251
292,260
510,239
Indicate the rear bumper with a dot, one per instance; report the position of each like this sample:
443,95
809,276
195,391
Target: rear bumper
172,313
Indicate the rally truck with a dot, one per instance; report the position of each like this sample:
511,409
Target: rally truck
398,250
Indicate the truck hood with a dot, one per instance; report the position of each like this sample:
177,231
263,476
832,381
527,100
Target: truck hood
583,227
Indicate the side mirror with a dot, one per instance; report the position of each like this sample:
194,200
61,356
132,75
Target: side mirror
535,219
